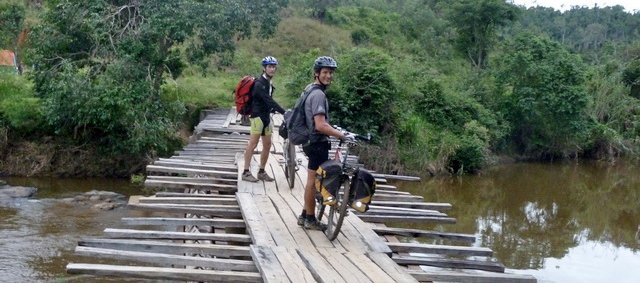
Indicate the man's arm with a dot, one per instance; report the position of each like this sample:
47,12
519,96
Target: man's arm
323,127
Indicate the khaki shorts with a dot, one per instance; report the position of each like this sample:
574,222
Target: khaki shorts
258,127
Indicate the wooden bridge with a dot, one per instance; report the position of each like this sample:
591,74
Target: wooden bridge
204,224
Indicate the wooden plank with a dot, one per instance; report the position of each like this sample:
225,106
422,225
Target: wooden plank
158,273
320,269
219,212
390,210
369,268
418,205
289,216
171,185
407,219
193,195
144,234
268,264
276,227
439,249
189,200
195,165
168,260
396,177
165,221
202,180
294,266
256,225
178,170
396,197
415,233
397,272
449,263
346,269
224,251
468,276
370,238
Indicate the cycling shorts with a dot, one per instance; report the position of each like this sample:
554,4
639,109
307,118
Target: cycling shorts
261,127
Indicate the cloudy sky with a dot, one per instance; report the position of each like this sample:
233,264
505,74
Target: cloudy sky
629,5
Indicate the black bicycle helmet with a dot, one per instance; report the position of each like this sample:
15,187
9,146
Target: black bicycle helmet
324,62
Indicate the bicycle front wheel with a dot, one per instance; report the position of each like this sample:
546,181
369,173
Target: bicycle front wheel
338,211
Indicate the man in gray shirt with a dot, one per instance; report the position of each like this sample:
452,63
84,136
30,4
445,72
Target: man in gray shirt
317,150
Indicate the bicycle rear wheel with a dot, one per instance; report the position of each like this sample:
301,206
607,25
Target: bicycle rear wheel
319,206
338,211
290,158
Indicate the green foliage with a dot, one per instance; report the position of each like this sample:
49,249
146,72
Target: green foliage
11,20
101,64
631,77
476,23
363,99
546,98
19,109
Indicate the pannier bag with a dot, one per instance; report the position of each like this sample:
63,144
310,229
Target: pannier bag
328,181
363,186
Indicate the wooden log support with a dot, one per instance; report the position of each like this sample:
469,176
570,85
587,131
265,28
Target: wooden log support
416,233
418,205
439,249
189,200
381,218
192,195
144,234
224,251
220,211
159,273
200,180
167,260
195,165
160,221
178,170
470,276
449,263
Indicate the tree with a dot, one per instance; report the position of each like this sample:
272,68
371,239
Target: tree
476,23
546,101
101,64
11,22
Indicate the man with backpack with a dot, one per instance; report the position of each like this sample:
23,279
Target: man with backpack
262,105
316,109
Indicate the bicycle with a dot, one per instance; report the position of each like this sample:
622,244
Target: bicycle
291,162
338,210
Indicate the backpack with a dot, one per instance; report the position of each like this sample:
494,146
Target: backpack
242,95
328,180
363,186
296,124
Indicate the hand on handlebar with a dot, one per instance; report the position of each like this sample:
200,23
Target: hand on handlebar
348,137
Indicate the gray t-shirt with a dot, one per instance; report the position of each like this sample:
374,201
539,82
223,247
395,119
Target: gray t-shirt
316,104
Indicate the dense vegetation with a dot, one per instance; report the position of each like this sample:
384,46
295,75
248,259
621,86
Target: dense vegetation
445,86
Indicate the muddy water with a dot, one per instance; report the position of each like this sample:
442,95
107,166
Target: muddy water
558,222
38,235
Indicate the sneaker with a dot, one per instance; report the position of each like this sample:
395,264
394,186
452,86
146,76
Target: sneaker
248,177
301,219
264,177
314,225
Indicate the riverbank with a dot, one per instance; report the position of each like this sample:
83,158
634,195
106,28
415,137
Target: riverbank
48,157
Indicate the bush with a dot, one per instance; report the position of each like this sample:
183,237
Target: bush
18,106
364,96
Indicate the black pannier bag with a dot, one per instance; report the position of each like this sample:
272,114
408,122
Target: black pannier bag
363,186
328,180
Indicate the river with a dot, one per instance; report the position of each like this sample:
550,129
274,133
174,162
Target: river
572,222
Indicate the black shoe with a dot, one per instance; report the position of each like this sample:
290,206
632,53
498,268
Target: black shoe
314,225
301,219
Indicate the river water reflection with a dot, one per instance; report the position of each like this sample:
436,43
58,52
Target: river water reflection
559,222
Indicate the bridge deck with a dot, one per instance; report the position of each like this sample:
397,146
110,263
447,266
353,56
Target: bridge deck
208,225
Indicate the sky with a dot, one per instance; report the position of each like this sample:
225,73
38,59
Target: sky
563,5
